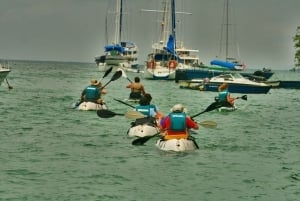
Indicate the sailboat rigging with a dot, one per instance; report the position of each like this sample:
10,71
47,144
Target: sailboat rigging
227,57
120,53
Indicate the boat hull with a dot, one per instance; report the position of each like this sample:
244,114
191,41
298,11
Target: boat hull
238,88
91,106
177,145
201,73
143,130
159,73
3,74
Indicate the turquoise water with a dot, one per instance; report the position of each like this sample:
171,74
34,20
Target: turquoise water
49,151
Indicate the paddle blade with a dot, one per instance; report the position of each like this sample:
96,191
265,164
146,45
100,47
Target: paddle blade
208,124
106,113
132,114
142,140
107,72
244,97
116,76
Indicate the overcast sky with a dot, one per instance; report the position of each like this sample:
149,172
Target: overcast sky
74,30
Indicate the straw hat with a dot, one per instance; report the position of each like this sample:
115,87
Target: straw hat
178,108
95,82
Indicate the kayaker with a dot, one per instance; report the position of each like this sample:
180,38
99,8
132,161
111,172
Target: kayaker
177,123
93,92
150,110
224,95
137,89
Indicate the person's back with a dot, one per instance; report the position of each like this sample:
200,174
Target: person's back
92,93
177,123
224,95
137,89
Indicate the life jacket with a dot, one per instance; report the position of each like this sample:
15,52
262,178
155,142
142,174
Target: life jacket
92,93
145,109
223,95
178,128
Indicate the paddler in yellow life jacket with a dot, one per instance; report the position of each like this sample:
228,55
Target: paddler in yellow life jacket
224,95
137,89
177,123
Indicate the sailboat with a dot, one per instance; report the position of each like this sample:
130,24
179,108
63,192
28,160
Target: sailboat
230,57
168,54
119,53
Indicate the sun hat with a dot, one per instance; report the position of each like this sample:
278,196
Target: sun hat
95,82
178,108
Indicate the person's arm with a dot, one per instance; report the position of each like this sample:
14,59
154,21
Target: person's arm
191,123
143,90
130,85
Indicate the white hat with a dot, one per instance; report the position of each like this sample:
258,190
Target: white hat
178,108
95,82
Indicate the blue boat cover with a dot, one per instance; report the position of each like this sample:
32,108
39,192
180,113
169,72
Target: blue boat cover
116,47
223,64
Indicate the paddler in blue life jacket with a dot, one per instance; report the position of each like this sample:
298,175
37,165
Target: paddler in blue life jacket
137,89
93,92
224,96
150,110
177,123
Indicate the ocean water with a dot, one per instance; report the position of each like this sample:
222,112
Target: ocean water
49,151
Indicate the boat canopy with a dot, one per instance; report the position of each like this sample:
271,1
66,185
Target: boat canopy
225,64
116,47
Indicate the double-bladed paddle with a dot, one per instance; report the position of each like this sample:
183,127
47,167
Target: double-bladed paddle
124,103
115,76
130,114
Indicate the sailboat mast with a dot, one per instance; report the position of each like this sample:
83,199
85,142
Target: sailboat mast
173,21
227,29
117,22
121,22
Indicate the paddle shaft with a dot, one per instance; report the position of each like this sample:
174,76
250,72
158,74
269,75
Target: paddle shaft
124,103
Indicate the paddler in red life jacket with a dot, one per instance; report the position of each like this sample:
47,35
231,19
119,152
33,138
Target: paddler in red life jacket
177,123
224,95
137,89
93,92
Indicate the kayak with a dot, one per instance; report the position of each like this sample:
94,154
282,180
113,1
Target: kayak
177,145
227,109
91,106
142,128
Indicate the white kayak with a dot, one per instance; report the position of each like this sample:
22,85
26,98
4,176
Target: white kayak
143,130
177,145
227,109
91,106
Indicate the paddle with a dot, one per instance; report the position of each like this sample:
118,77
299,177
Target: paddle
142,140
8,85
211,107
124,103
130,114
106,73
124,75
244,97
115,76
107,113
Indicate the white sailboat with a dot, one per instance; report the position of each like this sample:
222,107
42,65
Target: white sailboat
229,56
169,54
120,53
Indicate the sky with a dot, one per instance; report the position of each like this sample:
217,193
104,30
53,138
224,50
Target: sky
74,30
